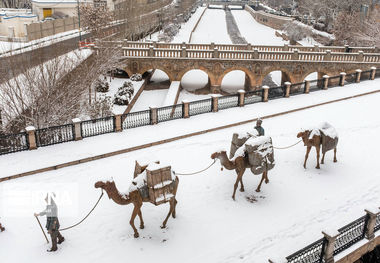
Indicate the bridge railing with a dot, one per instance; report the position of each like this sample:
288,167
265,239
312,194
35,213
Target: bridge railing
236,47
82,129
250,55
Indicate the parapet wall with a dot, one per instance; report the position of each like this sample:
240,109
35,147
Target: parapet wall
273,21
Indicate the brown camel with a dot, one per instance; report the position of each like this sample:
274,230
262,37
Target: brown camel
316,141
239,165
137,200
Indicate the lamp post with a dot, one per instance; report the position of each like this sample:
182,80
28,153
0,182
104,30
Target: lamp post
80,34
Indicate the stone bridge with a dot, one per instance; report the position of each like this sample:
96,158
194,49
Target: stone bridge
241,3
295,62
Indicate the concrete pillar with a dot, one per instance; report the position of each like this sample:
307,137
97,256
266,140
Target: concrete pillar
358,75
255,53
185,109
286,47
307,86
153,115
295,55
328,252
373,73
241,97
31,133
328,55
325,82
342,78
316,48
287,86
371,222
249,46
360,56
77,129
212,46
215,89
184,52
214,102
216,53
118,126
266,93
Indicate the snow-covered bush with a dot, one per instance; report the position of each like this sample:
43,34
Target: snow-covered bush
136,77
124,94
171,30
100,108
102,86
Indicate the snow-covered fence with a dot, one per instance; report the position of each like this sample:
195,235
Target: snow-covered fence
82,129
98,126
54,135
333,243
14,143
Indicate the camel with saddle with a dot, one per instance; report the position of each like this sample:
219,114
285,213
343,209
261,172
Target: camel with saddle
153,183
251,151
322,136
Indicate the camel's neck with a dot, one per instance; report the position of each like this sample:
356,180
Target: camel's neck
226,162
115,195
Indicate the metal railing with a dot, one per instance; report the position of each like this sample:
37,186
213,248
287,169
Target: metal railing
13,143
377,225
313,253
54,135
136,119
170,113
251,97
200,106
229,101
98,126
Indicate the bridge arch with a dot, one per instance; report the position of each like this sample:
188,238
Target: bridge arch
285,76
249,76
195,80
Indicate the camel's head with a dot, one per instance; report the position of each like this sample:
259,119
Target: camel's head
301,134
216,155
105,185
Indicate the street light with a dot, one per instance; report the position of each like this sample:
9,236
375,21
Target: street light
80,35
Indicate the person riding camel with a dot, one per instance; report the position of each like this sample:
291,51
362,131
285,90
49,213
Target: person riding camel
258,127
52,223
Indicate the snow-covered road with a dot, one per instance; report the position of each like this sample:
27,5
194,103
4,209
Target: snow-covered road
289,213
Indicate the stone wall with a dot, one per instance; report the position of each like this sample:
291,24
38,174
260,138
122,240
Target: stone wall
273,21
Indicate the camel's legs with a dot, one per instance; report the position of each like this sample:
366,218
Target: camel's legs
174,210
238,179
170,212
306,156
335,160
141,219
132,221
241,184
323,159
317,148
259,186
266,177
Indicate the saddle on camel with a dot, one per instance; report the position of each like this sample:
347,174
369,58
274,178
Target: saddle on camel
154,183
323,135
248,150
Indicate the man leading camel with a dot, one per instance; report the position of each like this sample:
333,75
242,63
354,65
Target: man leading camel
52,223
258,127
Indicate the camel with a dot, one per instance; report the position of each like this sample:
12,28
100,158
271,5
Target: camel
1,228
135,198
316,141
239,165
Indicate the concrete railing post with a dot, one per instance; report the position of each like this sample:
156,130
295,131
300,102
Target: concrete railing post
325,82
212,46
287,86
216,53
342,79
151,51
241,97
265,93
286,47
153,115
77,129
214,103
295,55
184,52
255,53
249,46
118,127
316,48
358,75
327,55
154,44
371,222
360,56
31,133
307,86
373,73
328,252
185,109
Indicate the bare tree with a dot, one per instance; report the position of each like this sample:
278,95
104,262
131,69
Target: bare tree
15,3
95,18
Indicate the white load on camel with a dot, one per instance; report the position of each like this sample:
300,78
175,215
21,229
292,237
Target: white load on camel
258,148
329,136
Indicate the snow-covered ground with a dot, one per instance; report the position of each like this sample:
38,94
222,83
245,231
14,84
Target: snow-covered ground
288,214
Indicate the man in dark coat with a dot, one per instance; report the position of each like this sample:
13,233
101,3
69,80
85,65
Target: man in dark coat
52,223
258,127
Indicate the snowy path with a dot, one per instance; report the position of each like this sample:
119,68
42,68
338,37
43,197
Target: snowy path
210,227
